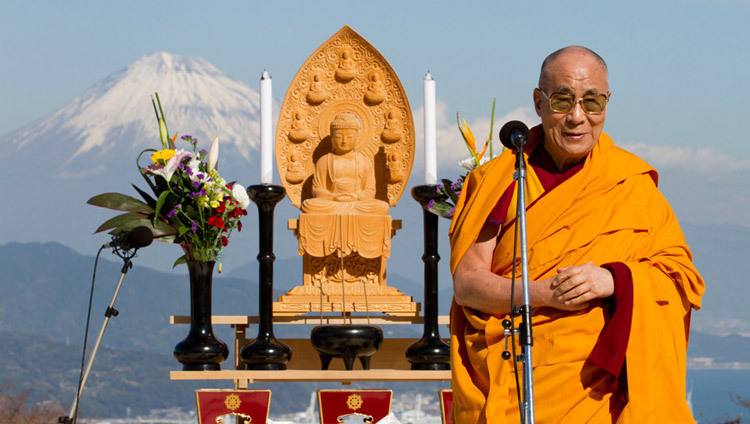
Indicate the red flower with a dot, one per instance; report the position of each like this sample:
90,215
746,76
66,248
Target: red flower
239,226
224,241
216,221
222,207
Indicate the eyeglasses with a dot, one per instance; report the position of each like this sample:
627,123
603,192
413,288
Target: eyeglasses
592,104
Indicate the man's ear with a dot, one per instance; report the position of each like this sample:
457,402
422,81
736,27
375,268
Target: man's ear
538,102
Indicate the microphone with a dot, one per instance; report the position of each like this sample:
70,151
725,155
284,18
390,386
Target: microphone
136,238
514,135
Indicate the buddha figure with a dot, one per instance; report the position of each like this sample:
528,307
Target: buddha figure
375,88
344,180
392,131
394,169
347,69
317,94
295,172
299,132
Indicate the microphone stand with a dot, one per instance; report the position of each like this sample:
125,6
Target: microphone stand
524,331
110,312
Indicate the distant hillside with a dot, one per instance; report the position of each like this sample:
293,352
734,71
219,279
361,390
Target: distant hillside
47,288
118,380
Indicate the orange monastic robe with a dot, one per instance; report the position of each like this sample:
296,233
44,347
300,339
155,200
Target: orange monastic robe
609,211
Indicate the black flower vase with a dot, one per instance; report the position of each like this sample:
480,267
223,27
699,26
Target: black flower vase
201,350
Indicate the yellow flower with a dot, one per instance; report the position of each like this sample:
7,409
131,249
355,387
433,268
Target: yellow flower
214,204
469,140
162,156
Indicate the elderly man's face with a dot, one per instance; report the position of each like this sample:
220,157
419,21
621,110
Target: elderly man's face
568,137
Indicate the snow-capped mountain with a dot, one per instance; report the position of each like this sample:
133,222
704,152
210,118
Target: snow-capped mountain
89,146
114,118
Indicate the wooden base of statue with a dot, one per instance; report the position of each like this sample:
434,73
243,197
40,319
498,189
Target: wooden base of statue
364,277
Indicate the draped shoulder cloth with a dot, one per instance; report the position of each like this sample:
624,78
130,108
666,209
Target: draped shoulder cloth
609,211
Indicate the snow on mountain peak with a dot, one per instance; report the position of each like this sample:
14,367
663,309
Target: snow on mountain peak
115,115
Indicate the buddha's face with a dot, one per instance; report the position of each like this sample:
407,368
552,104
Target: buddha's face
343,140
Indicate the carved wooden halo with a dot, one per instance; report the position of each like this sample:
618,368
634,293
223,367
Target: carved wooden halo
334,94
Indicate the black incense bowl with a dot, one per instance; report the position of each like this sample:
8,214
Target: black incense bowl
347,342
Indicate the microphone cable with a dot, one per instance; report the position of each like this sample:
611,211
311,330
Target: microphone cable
512,314
85,341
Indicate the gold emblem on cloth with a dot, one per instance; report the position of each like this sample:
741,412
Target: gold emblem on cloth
232,402
354,401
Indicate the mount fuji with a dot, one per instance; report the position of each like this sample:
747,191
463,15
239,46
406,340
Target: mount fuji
89,146
115,118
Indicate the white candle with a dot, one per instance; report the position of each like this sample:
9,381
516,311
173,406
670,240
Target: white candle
430,130
266,133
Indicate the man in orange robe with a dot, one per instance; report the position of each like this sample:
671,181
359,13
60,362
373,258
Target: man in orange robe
612,282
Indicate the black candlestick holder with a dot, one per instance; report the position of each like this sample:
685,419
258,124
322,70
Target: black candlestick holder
266,352
430,352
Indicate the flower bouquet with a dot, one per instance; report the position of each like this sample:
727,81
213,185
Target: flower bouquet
190,205
452,189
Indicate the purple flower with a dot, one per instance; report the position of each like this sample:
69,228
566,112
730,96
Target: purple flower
453,209
189,171
172,213
438,187
203,151
200,177
431,204
196,183
181,165
195,226
187,137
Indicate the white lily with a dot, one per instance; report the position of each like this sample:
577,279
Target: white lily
469,162
213,155
166,171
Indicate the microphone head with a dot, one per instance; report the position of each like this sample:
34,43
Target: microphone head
514,134
139,237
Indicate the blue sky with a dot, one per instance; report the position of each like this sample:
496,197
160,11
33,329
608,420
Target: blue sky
677,69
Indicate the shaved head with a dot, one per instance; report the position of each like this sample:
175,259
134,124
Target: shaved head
544,74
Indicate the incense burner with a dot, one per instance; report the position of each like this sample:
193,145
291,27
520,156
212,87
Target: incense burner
347,342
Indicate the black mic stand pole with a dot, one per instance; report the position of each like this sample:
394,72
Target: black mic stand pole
526,338
110,312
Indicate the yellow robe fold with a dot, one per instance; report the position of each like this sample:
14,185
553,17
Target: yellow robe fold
610,211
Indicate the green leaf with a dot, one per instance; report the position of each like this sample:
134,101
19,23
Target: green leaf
119,221
159,228
120,202
147,197
181,260
160,203
492,125
182,230
442,209
447,186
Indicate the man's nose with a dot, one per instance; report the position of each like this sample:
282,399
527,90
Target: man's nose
576,116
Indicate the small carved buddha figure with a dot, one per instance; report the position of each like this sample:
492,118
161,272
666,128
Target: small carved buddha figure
375,89
317,94
394,169
295,173
392,131
299,132
347,69
344,180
